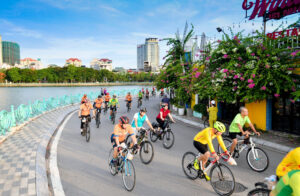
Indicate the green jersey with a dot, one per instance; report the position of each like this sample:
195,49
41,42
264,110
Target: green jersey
113,102
140,95
238,120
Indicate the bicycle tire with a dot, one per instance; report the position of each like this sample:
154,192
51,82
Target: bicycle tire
214,185
251,164
260,192
227,143
189,166
206,123
128,168
88,133
98,120
144,149
165,137
111,167
153,136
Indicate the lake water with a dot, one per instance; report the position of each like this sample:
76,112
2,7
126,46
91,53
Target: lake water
22,95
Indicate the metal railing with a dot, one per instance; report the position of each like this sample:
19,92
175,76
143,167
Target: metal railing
23,113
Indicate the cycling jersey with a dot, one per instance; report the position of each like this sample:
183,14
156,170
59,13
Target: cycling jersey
290,162
206,136
288,185
107,98
164,113
140,120
238,119
85,109
140,95
122,133
98,102
113,102
128,97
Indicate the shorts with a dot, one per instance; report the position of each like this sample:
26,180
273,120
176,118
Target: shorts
98,109
233,135
128,101
106,102
113,108
202,148
113,141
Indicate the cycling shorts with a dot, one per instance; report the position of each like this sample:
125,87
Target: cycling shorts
113,141
202,148
233,135
113,108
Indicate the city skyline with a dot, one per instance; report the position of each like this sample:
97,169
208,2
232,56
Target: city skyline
56,30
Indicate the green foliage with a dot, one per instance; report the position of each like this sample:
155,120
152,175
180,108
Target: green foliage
201,108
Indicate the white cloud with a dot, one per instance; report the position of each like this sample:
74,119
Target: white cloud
12,29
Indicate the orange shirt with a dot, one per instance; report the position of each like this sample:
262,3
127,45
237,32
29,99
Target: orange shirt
128,97
98,102
107,97
85,109
122,133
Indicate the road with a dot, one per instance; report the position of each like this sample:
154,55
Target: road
84,171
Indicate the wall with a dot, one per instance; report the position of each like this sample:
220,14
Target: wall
258,113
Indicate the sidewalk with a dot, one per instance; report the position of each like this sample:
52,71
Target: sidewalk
276,140
22,155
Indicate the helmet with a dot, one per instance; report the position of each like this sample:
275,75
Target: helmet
143,110
107,93
124,120
99,96
219,126
128,93
114,96
84,95
213,102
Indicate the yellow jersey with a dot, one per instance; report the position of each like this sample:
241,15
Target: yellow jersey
290,162
206,136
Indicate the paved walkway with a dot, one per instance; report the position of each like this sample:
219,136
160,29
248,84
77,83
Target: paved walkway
21,165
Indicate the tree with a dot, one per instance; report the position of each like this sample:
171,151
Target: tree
13,75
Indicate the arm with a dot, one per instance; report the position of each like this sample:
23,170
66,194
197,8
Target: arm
240,128
171,117
221,142
253,129
149,124
136,125
209,142
161,116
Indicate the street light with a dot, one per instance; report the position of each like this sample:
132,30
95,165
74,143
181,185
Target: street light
219,30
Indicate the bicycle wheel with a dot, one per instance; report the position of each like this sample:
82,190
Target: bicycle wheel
257,159
88,133
206,123
112,168
168,139
128,175
146,152
153,136
222,179
227,143
259,192
98,120
187,164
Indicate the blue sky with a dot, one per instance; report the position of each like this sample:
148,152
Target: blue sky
55,30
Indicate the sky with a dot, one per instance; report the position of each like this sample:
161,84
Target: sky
55,30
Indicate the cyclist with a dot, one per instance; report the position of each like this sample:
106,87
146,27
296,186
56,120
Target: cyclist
213,111
236,128
288,185
165,100
83,99
153,90
147,93
139,119
98,104
106,98
162,92
128,99
119,134
105,91
161,117
113,104
290,162
203,140
101,92
140,96
85,111
143,91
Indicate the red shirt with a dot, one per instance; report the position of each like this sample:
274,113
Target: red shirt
164,113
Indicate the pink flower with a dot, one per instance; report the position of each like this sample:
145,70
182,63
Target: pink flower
263,88
293,89
234,88
225,70
236,77
197,55
208,58
251,85
240,58
292,100
268,55
250,81
268,66
167,81
252,54
219,41
225,56
295,53
242,79
276,95
253,75
197,74
195,69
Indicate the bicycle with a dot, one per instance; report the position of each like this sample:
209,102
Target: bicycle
139,103
261,189
221,177
166,135
106,107
146,147
113,115
124,166
147,97
153,93
86,128
98,114
255,156
128,106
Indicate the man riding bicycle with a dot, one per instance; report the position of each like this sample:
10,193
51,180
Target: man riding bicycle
203,140
107,98
139,119
236,128
128,99
119,134
140,95
113,104
98,104
84,111
147,92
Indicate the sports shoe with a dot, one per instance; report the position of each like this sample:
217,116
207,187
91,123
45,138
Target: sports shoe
81,132
207,178
196,164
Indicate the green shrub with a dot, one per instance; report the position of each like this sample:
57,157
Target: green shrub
201,108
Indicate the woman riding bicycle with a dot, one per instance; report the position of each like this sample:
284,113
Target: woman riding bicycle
139,119
161,117
203,140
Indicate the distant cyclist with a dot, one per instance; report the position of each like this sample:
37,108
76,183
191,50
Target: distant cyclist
105,91
212,111
165,100
85,111
98,104
128,99
106,98
113,104
236,127
147,93
140,95
119,135
84,99
204,139
139,119
102,92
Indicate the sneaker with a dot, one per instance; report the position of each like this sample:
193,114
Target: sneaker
81,132
196,164
207,178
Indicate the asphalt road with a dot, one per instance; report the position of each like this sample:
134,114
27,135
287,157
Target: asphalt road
84,170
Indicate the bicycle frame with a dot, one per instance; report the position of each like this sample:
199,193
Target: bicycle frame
212,162
252,146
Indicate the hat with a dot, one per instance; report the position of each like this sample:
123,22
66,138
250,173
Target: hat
213,102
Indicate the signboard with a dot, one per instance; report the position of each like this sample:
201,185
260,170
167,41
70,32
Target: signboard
286,33
272,9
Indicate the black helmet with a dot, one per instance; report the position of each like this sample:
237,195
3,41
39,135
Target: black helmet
99,96
124,120
143,110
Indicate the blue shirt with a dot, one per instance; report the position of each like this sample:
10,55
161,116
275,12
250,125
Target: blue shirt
140,120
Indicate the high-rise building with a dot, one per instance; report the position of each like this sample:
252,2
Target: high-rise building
99,64
1,58
10,53
148,55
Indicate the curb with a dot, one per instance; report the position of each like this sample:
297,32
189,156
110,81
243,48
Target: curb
42,185
278,147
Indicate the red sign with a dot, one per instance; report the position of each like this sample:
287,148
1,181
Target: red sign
274,9
286,33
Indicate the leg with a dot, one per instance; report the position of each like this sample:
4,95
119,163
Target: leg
233,145
204,158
